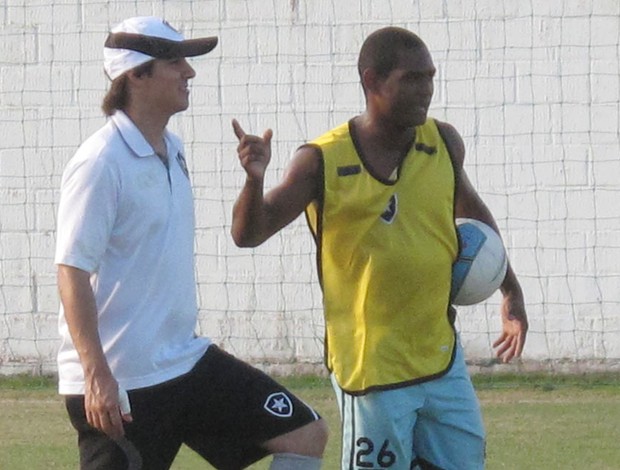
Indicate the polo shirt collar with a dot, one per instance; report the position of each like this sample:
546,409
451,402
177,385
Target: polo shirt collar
134,138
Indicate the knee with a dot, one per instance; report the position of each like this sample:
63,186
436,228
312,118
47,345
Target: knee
309,440
320,435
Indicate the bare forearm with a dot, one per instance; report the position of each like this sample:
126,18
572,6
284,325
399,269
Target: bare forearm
469,204
81,315
101,394
510,285
250,215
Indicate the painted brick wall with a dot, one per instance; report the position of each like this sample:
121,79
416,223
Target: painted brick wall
533,87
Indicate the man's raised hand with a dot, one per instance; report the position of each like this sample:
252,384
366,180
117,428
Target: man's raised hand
254,151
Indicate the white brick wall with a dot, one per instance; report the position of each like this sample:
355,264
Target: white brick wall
533,87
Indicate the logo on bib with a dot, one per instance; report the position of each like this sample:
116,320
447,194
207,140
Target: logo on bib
278,404
389,214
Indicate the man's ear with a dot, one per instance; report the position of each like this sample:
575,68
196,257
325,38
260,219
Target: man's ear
370,80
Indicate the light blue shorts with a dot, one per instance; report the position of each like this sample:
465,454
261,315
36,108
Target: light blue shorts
437,422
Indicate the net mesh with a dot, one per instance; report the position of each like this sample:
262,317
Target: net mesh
533,88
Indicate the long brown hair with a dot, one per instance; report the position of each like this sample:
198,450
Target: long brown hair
117,96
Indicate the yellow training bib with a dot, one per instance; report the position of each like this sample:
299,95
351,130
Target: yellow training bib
385,254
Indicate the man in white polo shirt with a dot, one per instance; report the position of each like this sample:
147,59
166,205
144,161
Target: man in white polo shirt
138,381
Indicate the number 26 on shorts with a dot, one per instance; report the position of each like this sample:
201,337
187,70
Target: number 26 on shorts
365,456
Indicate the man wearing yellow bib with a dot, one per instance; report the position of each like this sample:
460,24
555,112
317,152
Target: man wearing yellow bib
381,193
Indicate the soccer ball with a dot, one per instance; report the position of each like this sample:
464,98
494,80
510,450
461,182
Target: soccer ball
481,264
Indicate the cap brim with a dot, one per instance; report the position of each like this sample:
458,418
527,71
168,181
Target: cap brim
199,46
161,48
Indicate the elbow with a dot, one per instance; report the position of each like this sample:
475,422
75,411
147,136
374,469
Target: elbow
244,243
243,240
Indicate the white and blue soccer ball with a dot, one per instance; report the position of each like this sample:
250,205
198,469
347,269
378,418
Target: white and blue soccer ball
481,265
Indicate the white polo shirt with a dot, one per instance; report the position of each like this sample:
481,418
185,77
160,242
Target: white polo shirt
127,220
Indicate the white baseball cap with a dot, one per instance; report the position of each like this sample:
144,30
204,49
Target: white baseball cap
138,40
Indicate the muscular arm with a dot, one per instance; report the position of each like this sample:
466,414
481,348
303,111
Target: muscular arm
101,400
469,204
257,216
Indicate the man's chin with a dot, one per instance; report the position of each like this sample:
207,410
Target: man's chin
420,117
182,107
418,120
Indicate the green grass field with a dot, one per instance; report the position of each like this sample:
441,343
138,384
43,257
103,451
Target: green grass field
533,422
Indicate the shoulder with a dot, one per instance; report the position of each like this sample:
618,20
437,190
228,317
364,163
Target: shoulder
453,140
307,161
106,140
301,180
97,154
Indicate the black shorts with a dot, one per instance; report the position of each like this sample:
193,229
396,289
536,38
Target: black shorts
224,409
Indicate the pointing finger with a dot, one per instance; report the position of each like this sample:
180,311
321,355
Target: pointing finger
268,134
239,132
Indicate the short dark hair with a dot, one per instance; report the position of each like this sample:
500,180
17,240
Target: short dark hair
381,49
117,96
